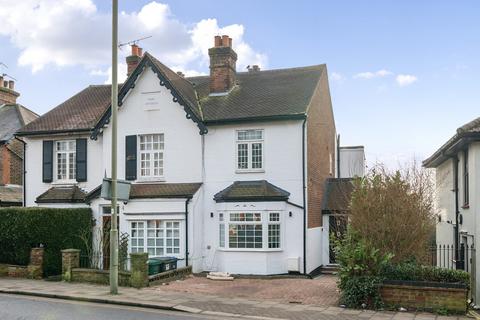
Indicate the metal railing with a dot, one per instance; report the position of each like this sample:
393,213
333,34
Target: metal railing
102,262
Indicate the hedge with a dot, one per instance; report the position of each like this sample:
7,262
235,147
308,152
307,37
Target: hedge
416,272
55,229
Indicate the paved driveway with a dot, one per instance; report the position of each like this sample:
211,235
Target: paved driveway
321,291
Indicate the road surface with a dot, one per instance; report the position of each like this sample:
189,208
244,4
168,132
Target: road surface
15,307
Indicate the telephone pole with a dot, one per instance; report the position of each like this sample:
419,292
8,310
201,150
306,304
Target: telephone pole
114,107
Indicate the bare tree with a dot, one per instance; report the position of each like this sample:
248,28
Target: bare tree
394,211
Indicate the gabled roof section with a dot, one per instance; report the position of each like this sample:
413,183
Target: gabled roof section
465,134
337,196
181,89
259,190
12,118
79,113
261,95
62,194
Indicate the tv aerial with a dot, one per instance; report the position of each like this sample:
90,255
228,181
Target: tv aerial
132,42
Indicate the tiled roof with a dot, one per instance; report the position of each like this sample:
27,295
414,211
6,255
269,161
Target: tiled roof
154,191
163,190
259,190
63,194
338,194
12,118
282,93
465,134
260,94
11,194
80,112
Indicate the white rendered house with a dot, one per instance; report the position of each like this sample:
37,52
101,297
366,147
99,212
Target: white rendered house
227,170
457,172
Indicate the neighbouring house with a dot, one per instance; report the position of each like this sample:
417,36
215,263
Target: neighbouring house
13,116
337,196
457,179
228,170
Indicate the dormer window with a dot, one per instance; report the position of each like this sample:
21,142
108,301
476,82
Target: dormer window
250,150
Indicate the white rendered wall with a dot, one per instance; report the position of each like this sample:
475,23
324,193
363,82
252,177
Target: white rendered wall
34,149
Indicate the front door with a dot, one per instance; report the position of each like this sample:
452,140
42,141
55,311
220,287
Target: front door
337,230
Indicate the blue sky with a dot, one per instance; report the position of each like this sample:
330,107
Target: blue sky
403,74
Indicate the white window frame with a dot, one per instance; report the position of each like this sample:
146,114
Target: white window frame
68,162
151,153
249,143
265,222
164,227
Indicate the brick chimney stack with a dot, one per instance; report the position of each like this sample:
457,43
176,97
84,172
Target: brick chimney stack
134,59
8,95
223,62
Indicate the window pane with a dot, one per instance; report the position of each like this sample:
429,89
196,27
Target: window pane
256,155
274,216
221,235
273,236
245,236
242,156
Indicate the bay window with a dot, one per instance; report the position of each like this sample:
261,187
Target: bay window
250,230
65,157
157,237
249,150
151,149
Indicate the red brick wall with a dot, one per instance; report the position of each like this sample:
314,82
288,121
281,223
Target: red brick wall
424,298
321,135
11,163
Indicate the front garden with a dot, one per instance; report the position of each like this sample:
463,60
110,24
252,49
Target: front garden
383,258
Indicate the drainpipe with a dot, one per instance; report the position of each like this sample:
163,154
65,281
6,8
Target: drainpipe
186,231
304,199
338,156
457,211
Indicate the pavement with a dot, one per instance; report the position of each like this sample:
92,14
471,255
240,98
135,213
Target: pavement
200,304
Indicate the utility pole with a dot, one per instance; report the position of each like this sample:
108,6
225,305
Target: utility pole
114,107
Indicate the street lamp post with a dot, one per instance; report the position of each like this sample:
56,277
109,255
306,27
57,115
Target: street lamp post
114,106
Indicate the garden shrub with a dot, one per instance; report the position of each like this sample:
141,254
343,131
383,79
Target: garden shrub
55,229
416,272
360,269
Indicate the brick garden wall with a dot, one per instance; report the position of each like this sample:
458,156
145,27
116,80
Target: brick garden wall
99,276
424,297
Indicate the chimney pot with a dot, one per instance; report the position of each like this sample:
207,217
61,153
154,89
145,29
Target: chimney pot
11,85
135,50
140,52
181,74
225,41
218,41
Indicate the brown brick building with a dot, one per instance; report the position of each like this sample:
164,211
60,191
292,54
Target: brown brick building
13,116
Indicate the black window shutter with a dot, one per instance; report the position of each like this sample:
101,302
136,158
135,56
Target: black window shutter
131,157
81,160
47,161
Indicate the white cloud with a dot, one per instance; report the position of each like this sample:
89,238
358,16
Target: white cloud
335,76
370,75
74,32
405,79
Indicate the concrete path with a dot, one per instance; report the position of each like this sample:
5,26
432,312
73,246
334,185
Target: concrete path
154,297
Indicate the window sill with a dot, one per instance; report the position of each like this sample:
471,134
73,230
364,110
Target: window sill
150,180
64,182
249,250
250,171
